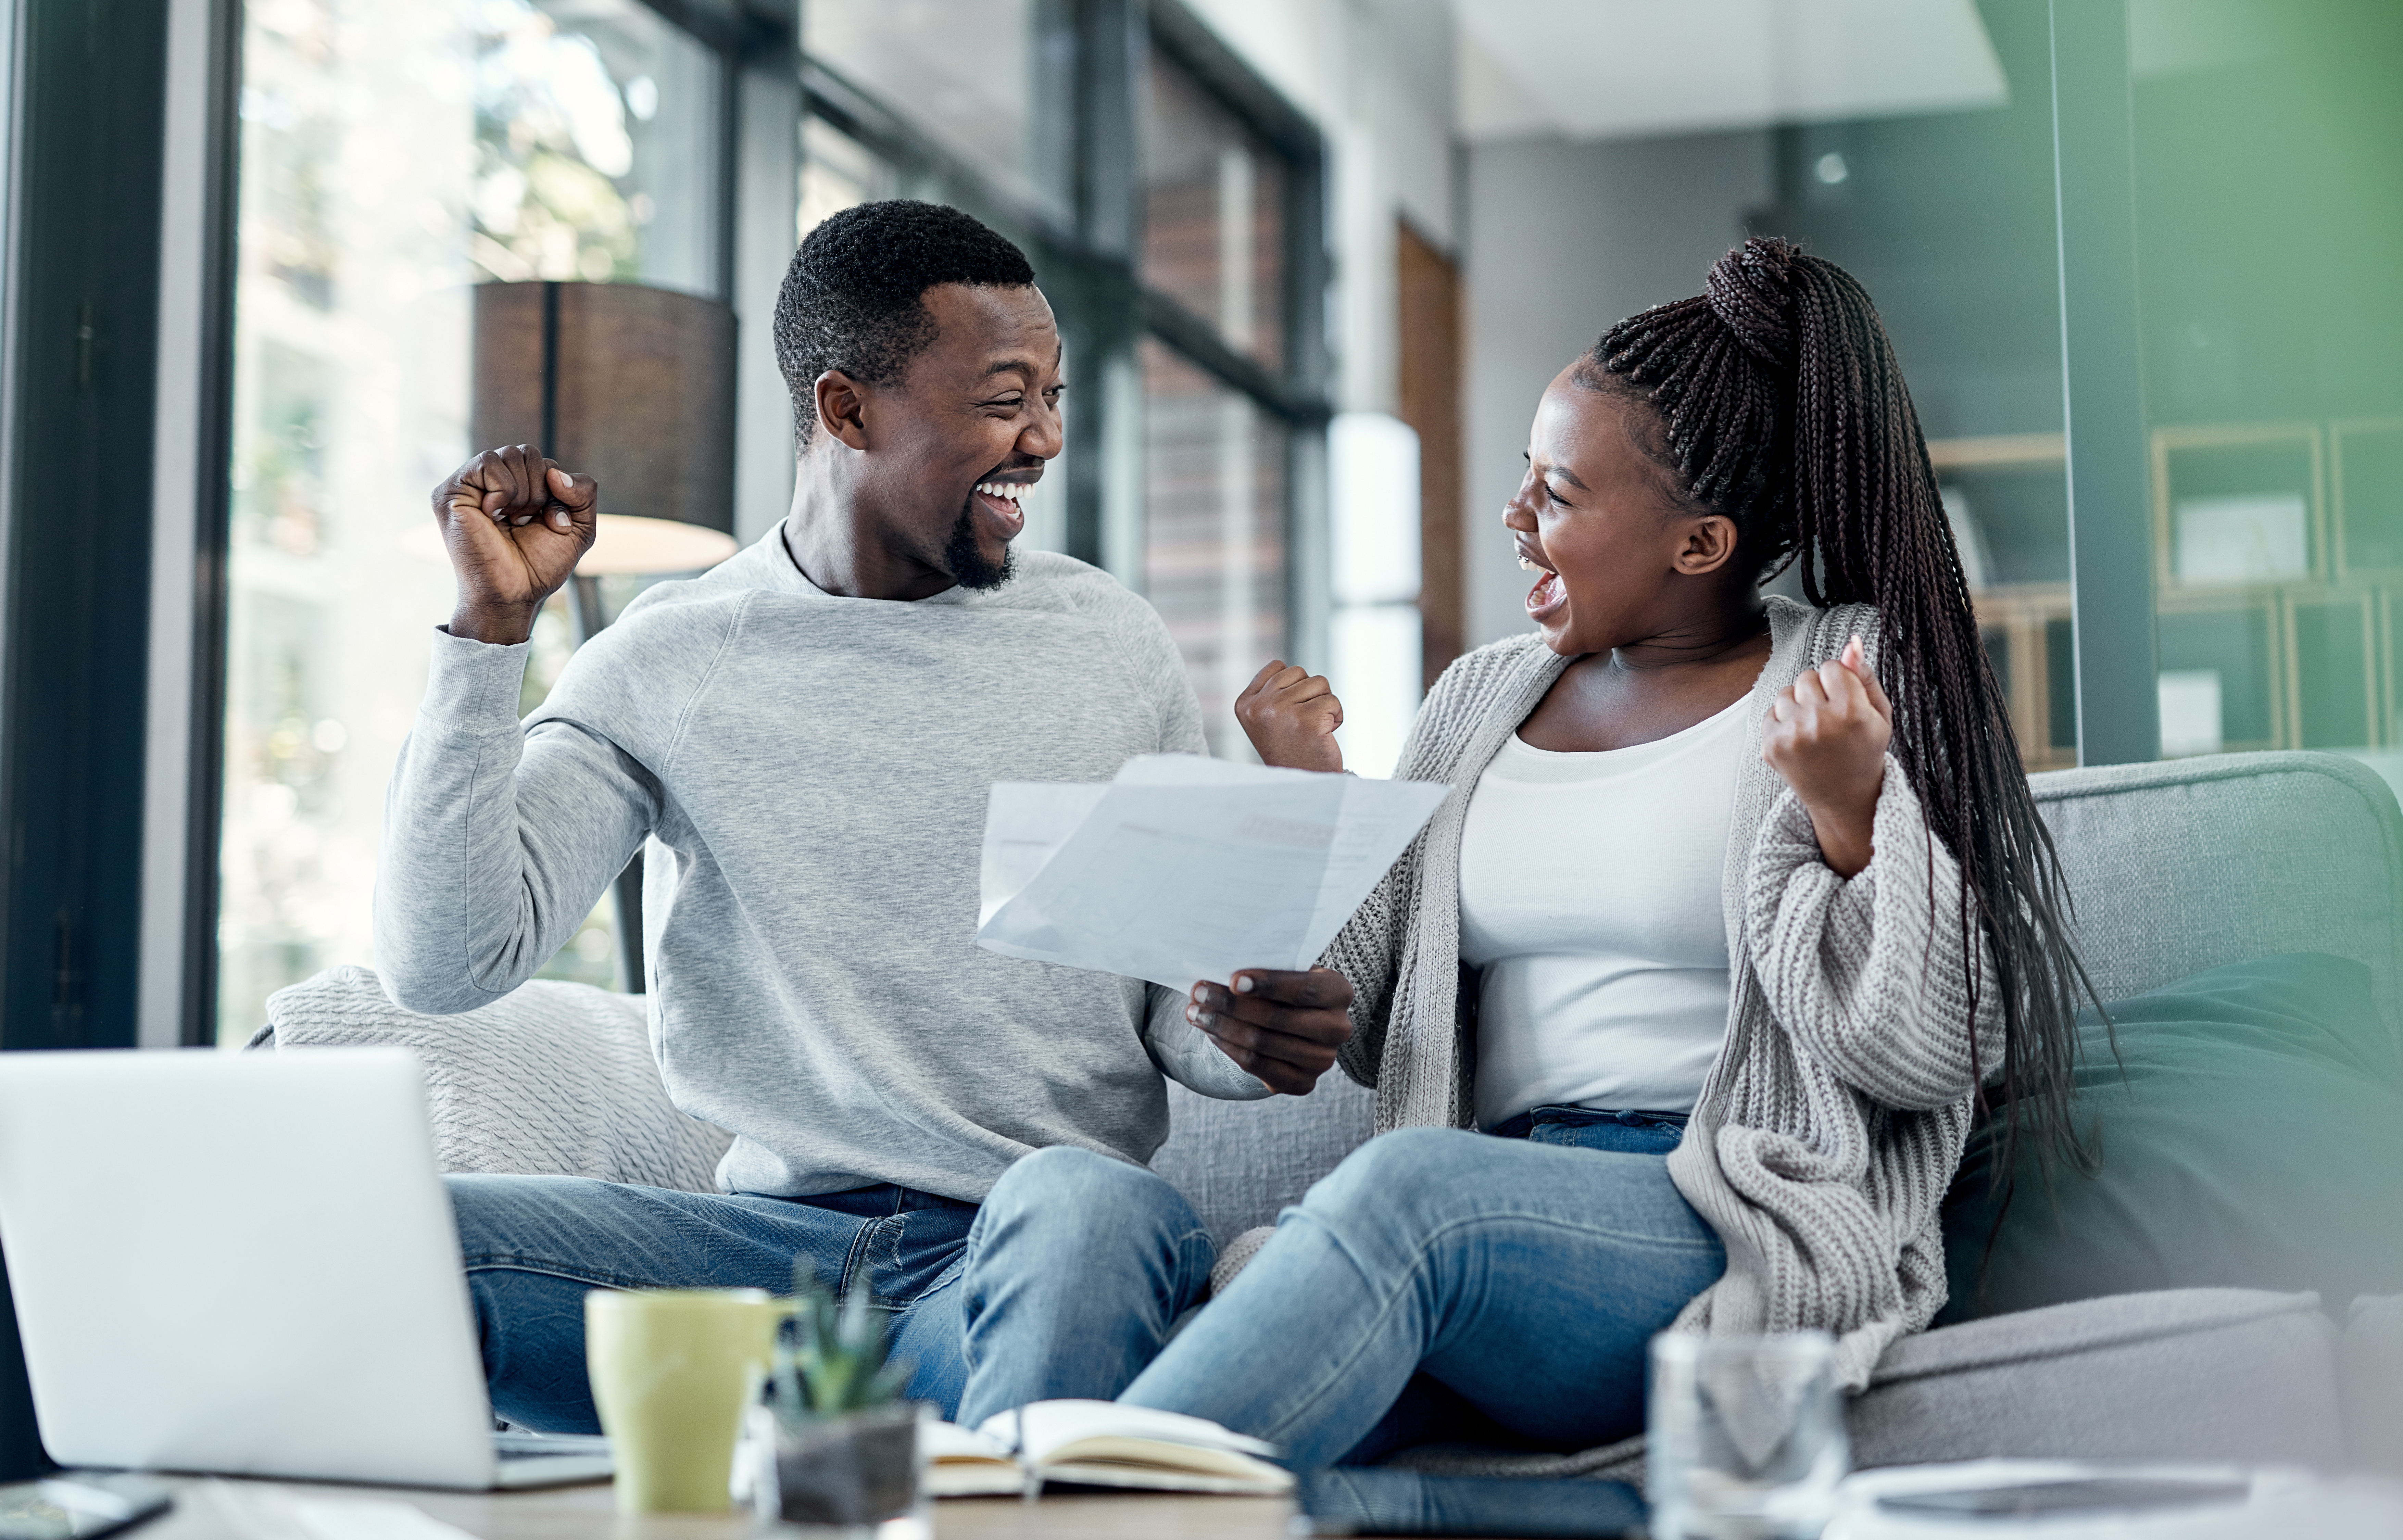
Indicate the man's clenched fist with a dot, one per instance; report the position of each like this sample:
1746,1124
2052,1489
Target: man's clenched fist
515,525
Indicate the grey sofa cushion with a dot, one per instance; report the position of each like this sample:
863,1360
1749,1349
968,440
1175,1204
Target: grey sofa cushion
1239,1162
2374,1382
2251,1132
2185,1374
2183,866
553,1079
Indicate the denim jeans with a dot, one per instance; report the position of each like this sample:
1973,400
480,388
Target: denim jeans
1118,1248
1447,1285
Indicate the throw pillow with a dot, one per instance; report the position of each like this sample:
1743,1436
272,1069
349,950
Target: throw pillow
553,1079
2251,1135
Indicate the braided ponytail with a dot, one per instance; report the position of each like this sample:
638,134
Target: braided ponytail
1786,411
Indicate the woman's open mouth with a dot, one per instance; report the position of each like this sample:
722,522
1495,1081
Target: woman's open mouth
997,501
1546,597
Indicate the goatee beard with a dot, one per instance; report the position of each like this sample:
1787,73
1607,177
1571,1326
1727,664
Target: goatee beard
966,562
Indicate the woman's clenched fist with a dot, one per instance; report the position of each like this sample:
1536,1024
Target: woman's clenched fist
1827,734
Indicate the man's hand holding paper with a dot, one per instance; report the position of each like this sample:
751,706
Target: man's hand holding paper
1280,1027
1202,875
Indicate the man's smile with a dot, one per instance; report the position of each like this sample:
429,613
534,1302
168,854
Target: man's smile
998,502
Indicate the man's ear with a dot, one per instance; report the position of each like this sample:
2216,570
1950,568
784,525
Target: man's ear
1709,545
842,407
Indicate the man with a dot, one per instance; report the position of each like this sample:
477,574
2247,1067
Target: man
809,731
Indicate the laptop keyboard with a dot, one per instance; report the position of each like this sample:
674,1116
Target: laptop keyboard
534,1445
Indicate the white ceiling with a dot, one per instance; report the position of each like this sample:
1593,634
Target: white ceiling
1610,69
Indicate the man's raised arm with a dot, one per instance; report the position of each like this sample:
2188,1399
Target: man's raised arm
495,847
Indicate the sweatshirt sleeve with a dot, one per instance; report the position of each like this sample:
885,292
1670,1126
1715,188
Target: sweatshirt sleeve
1868,975
1186,1055
497,839
1160,673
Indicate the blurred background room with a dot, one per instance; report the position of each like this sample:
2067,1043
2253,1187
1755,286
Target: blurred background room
1314,260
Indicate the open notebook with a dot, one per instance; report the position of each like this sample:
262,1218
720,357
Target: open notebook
1096,1443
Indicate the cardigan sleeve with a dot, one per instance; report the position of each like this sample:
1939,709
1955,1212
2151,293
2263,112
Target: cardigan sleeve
1367,952
1369,949
1868,975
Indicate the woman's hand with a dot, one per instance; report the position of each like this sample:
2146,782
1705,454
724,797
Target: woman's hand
1827,734
1281,1028
1290,714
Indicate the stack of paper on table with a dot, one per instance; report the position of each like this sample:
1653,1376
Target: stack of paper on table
1098,1444
1185,868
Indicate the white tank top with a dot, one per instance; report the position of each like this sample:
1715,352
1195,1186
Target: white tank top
1590,899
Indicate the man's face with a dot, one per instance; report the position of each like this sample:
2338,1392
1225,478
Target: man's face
967,433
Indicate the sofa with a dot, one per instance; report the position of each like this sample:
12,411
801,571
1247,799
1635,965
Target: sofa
2174,868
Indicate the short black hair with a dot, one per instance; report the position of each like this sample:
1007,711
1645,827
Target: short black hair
853,295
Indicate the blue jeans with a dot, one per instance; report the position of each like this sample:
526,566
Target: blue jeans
1120,1247
1447,1285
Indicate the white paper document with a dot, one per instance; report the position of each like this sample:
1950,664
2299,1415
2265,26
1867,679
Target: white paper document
1185,868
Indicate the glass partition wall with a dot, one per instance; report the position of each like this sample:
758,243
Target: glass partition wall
2228,339
391,157
1948,220
2268,208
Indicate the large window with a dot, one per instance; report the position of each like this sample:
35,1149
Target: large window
991,82
597,151
1214,549
391,156
1213,203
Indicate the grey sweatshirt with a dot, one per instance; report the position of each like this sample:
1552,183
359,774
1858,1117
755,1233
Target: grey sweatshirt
813,773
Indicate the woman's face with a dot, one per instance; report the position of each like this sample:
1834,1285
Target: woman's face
1598,516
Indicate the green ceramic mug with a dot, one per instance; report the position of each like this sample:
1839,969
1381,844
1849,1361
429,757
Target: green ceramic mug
672,1371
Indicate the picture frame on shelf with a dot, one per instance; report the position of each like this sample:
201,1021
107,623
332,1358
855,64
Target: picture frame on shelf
2026,627
2229,656
2239,505
2333,690
2365,477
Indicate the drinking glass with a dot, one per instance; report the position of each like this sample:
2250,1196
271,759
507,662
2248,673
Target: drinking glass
1745,1436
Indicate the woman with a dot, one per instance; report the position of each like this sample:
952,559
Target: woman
1758,911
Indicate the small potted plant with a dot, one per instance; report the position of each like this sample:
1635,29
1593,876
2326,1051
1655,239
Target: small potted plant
844,1444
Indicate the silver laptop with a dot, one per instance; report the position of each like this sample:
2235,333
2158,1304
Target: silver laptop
246,1263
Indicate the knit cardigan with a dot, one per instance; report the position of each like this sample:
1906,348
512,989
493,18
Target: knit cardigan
1832,1119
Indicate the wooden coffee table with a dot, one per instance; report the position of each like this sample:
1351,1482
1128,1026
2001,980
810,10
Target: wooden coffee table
590,1513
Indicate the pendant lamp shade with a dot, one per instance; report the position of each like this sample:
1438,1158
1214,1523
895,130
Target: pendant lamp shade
632,386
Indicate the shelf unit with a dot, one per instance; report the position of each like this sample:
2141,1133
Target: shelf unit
2309,661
